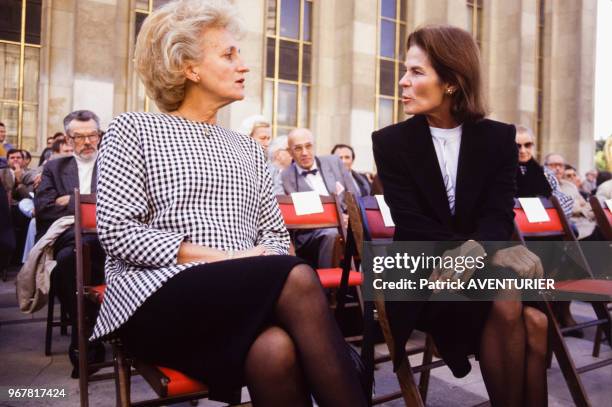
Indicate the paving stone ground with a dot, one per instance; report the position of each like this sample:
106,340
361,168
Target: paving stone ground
23,364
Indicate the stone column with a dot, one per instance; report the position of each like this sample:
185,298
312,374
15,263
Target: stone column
570,123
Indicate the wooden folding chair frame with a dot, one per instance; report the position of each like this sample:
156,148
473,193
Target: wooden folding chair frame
349,244
158,378
413,394
556,341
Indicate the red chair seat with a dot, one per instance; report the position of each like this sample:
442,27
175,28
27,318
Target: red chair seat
179,383
330,278
98,292
596,287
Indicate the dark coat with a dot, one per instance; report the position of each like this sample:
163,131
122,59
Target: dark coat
414,190
59,177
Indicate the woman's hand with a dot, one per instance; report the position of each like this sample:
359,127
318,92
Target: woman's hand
470,248
520,260
252,252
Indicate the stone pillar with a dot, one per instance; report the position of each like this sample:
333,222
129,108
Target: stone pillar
570,124
57,71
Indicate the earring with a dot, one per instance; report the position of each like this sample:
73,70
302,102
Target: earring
449,91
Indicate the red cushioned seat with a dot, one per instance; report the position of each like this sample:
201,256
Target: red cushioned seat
98,292
552,226
330,278
376,225
597,287
179,383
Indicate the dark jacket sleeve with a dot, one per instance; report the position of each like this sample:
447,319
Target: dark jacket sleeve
44,200
496,222
401,194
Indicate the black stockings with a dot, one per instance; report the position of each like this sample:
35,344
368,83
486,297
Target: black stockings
513,355
304,352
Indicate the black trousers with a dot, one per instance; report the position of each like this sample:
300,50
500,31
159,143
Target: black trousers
64,275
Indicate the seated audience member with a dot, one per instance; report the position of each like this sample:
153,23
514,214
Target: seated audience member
55,199
278,153
590,182
44,156
324,174
582,215
61,148
203,284
570,174
27,158
5,146
259,129
604,191
14,177
436,196
346,154
532,179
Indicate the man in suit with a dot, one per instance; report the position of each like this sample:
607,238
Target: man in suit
326,175
55,199
14,176
346,154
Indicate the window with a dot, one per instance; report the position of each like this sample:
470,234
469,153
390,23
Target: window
540,72
19,69
142,10
288,64
390,61
475,19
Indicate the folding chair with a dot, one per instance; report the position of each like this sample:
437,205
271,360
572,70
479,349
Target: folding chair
557,228
366,224
63,323
170,385
338,278
603,217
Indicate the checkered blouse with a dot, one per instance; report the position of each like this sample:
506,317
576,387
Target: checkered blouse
164,180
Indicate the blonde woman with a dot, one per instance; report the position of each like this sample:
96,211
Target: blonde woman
197,269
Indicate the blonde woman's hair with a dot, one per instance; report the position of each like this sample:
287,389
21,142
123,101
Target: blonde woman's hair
170,37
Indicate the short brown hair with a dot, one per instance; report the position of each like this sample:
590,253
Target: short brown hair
454,55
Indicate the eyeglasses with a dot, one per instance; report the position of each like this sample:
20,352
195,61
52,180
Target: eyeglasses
529,144
300,148
80,138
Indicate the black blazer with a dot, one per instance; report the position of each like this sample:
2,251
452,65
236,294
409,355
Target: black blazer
59,177
414,190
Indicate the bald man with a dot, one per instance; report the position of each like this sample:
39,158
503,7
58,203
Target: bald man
326,175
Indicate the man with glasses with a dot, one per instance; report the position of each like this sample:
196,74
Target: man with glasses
326,175
54,199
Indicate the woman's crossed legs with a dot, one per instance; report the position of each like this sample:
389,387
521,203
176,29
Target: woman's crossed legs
305,353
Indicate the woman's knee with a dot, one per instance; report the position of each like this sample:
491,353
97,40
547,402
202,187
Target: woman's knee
509,312
302,279
536,325
272,353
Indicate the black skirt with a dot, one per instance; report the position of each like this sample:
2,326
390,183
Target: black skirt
455,326
203,321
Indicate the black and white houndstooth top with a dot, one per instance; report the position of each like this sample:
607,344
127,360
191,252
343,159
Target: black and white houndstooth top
162,180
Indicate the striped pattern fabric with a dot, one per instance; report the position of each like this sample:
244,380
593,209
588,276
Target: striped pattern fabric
164,180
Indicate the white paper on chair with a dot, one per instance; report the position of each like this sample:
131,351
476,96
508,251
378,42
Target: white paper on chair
384,211
534,210
609,203
306,203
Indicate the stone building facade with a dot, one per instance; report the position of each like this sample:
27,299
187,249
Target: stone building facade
330,65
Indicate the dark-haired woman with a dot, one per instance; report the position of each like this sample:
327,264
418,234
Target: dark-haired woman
449,175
